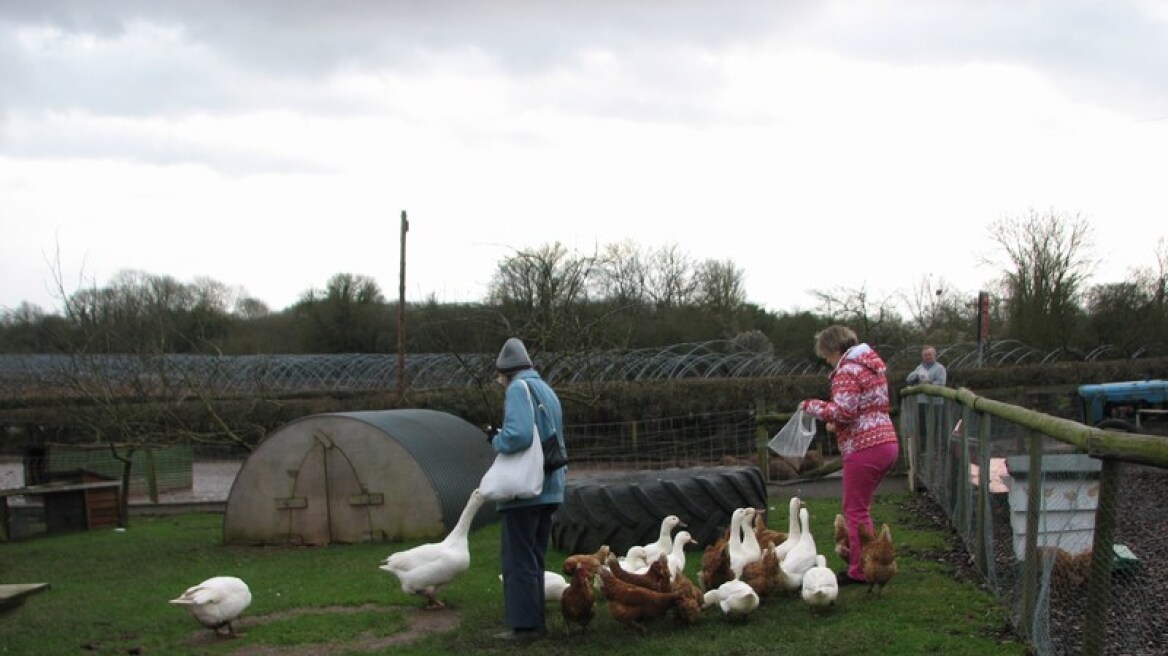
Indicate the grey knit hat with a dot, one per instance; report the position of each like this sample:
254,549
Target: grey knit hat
513,356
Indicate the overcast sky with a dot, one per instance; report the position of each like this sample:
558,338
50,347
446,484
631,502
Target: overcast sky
818,145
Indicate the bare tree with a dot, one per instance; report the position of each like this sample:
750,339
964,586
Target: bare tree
1131,314
720,285
874,318
135,399
347,316
938,312
622,275
1048,261
540,289
721,292
672,282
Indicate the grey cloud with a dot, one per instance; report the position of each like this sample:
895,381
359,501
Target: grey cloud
260,54
1105,53
47,142
231,43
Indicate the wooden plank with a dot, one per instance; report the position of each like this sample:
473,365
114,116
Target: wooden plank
14,594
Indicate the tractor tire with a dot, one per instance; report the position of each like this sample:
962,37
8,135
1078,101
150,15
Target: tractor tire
1117,425
623,510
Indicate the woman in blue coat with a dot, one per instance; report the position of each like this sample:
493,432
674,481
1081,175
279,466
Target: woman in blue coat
527,523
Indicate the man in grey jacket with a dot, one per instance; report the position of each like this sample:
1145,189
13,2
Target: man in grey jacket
930,372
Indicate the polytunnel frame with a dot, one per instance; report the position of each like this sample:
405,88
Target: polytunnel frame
293,373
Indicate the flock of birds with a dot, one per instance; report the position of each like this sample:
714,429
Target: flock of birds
747,565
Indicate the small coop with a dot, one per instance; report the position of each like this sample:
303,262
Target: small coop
349,477
77,500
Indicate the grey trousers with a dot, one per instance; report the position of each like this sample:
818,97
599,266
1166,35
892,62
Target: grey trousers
526,534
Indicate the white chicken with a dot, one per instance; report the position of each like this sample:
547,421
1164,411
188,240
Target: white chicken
426,568
217,602
800,558
664,542
733,597
820,587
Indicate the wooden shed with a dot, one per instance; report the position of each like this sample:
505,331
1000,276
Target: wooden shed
348,477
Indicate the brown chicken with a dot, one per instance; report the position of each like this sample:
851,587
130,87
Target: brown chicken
842,549
877,557
763,575
631,604
578,603
689,605
656,579
593,560
1066,569
715,568
763,533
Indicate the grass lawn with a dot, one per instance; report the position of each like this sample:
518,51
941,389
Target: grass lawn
109,593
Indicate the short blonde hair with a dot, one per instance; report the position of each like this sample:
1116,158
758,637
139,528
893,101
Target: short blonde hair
834,340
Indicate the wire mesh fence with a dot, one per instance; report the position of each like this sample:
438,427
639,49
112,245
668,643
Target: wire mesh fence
1074,545
40,375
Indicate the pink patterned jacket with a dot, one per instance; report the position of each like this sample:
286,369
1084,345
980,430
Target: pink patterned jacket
859,401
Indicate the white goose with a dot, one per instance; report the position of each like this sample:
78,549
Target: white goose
733,597
424,569
664,542
792,528
800,558
217,602
740,553
676,557
820,587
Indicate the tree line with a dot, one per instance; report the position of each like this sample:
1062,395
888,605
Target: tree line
623,295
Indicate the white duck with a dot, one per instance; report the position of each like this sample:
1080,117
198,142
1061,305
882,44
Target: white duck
676,557
820,587
733,597
792,528
740,553
424,569
664,542
217,602
750,546
554,585
635,560
800,558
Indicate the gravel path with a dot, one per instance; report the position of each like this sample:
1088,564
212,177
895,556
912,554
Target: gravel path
1137,623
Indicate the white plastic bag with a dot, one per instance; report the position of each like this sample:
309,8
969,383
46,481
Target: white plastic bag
517,475
795,436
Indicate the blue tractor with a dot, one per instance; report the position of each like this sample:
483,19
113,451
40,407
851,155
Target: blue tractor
1139,406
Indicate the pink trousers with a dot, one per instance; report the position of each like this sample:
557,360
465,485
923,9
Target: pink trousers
863,471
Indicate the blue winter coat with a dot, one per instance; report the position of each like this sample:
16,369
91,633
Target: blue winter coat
515,434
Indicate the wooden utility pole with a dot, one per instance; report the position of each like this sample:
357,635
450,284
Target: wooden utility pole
401,314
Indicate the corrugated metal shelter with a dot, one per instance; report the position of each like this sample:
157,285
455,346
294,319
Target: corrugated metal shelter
388,475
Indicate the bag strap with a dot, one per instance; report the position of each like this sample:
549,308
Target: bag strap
531,399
